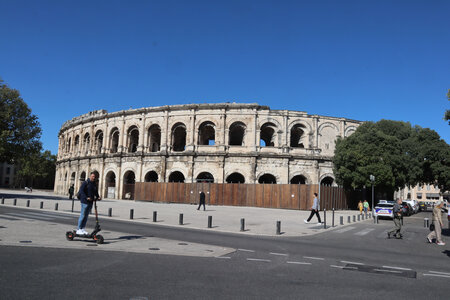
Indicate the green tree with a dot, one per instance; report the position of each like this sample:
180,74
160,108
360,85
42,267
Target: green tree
19,128
447,112
395,153
37,170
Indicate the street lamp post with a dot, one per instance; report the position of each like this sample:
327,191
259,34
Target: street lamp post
372,179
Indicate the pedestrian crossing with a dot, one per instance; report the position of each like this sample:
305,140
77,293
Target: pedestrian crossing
43,216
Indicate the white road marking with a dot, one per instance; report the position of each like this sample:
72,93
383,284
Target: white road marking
334,266
48,215
298,263
440,273
259,259
223,257
279,254
389,271
364,232
345,229
436,275
397,268
316,258
246,250
24,216
351,262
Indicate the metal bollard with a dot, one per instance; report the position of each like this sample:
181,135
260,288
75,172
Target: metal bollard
180,219
375,219
359,218
28,203
354,219
370,215
332,219
426,222
341,220
155,215
363,217
324,218
131,214
209,221
3,200
56,206
348,219
42,205
15,201
242,224
110,212
278,227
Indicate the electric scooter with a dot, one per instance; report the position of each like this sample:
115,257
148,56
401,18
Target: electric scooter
93,235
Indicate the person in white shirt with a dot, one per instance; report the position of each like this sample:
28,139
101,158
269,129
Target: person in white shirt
314,209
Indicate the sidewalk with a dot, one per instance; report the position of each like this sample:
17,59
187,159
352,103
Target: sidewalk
258,221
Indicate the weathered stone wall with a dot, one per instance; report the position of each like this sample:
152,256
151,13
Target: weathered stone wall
220,142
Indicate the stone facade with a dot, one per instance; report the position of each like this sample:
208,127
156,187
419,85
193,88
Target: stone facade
225,142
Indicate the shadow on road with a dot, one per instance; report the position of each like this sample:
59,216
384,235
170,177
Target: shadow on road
31,196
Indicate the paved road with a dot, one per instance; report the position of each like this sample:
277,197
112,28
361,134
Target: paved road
350,262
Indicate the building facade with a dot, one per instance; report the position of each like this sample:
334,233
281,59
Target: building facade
221,143
7,175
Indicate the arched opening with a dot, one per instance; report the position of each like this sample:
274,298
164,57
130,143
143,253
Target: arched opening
205,177
98,142
267,135
72,178
86,143
178,137
207,134
128,185
110,185
298,138
151,176
327,181
114,140
298,179
176,177
69,144
235,178
133,139
267,178
236,134
154,138
77,144
83,176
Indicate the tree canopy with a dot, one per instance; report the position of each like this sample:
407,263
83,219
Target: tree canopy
19,128
397,154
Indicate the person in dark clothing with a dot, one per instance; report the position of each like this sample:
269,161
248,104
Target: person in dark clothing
88,193
398,216
71,190
202,201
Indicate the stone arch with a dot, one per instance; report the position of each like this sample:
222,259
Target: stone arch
129,180
298,179
327,124
267,178
114,140
98,141
151,176
298,136
154,138
83,176
268,134
86,142
132,138
176,176
205,177
76,146
207,133
328,133
69,144
236,134
110,184
235,177
178,134
327,179
349,131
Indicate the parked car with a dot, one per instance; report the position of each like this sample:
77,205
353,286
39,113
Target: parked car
422,206
407,209
384,209
414,204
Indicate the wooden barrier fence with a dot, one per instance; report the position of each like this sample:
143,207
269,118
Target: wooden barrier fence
287,196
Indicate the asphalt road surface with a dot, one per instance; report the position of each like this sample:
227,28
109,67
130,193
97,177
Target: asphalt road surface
355,261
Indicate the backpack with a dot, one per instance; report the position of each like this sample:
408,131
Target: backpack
85,191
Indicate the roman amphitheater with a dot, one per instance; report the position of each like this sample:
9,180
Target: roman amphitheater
220,143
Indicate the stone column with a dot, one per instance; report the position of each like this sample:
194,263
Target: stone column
141,134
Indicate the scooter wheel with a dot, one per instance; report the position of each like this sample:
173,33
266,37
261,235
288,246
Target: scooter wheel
99,239
69,235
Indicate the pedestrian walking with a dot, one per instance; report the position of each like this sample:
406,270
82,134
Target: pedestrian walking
202,201
314,209
366,207
71,190
360,207
398,216
437,223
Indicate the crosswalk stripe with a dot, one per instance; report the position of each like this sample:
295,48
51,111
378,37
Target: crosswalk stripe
364,232
345,229
30,216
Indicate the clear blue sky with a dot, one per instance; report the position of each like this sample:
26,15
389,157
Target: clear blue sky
365,59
